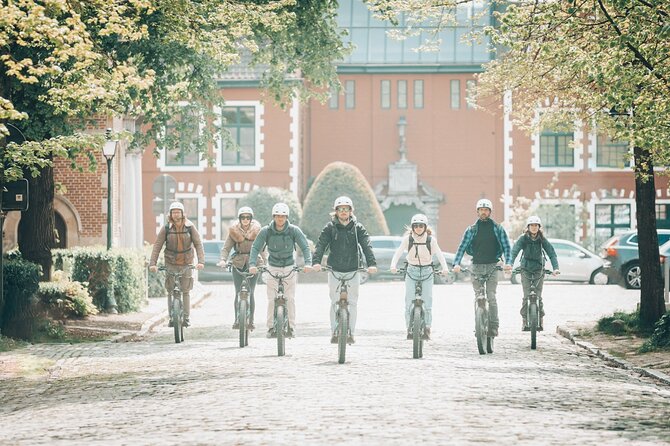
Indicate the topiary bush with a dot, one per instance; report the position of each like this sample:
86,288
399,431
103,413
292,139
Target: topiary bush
262,199
64,299
338,179
20,281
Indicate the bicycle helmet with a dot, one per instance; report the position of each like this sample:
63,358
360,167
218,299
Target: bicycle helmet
177,205
420,218
343,201
485,203
280,209
534,220
245,210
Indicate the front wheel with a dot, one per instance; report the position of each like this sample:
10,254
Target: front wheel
533,323
489,344
281,334
342,331
416,333
177,321
242,319
481,329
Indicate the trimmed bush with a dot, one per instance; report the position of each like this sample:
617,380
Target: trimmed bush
338,179
21,279
261,201
63,299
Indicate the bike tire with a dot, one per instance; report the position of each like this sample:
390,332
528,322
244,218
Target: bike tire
177,314
416,333
342,332
481,329
242,320
281,334
533,323
489,344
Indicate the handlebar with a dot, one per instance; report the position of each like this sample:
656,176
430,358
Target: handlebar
180,271
278,275
435,269
242,273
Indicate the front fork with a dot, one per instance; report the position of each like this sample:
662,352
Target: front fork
280,301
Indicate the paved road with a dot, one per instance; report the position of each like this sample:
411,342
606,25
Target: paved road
208,391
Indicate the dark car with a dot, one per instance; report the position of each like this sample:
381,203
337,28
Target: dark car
211,272
622,252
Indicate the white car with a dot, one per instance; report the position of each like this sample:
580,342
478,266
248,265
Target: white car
576,263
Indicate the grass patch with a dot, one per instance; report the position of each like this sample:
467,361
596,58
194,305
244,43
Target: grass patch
621,323
8,344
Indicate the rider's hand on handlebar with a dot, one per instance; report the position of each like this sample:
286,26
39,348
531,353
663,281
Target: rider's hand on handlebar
153,269
200,266
507,268
456,269
253,270
394,270
372,270
307,269
317,267
556,272
222,264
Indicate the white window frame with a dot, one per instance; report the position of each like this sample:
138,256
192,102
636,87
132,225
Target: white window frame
591,206
593,156
161,162
259,111
236,190
578,149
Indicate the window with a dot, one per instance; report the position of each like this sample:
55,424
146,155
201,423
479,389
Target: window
386,94
350,94
470,86
182,133
191,209
228,214
663,216
612,153
334,99
611,219
455,94
556,148
418,94
402,94
241,123
558,220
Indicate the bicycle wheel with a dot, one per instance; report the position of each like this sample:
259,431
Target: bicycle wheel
281,334
533,322
416,333
481,329
342,332
242,320
177,314
489,344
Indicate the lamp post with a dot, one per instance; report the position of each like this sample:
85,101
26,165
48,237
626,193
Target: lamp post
109,150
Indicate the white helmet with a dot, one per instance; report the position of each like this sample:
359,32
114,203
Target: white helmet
485,203
177,205
420,218
343,201
245,210
280,209
533,220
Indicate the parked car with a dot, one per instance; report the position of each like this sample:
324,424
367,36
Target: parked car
622,252
384,247
211,272
576,263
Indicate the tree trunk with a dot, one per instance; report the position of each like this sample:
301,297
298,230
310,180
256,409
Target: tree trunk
36,230
652,305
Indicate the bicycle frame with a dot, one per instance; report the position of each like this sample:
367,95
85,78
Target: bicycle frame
177,307
281,323
417,323
243,309
533,305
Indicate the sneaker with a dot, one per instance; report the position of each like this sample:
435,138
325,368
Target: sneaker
493,332
271,333
409,335
524,325
333,339
540,326
290,333
426,334
186,322
236,326
351,340
251,326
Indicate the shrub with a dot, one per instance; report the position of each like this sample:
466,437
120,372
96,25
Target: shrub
660,338
338,179
631,323
261,201
63,298
21,279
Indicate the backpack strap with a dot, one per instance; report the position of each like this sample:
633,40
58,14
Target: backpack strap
427,243
190,235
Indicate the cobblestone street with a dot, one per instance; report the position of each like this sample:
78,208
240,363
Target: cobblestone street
209,391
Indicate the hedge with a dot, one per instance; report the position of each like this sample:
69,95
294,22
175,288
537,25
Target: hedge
63,298
335,180
20,281
262,199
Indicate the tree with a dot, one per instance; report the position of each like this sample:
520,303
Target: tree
606,62
66,61
337,179
262,199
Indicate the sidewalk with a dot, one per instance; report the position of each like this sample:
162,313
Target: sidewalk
129,326
619,351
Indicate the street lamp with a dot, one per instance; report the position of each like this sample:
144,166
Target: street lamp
109,150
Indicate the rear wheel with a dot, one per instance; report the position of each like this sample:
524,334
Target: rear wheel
599,277
533,323
342,331
481,329
281,339
242,319
416,333
177,314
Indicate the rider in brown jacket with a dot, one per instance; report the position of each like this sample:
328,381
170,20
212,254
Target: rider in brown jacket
179,237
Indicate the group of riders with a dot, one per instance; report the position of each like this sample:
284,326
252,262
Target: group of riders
249,246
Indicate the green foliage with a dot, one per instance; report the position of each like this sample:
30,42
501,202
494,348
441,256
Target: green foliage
64,299
660,338
117,274
157,279
261,201
335,180
631,323
21,280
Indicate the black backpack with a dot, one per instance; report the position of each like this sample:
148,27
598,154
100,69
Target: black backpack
426,243
188,231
